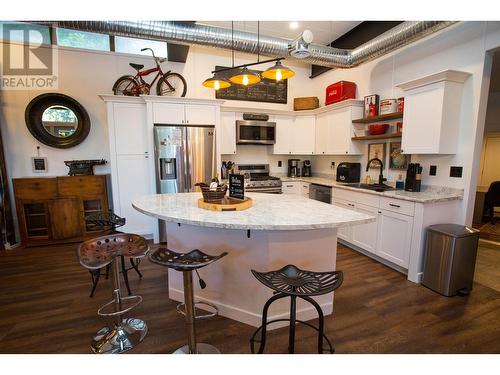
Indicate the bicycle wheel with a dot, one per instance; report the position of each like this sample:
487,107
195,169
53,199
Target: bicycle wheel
171,84
124,85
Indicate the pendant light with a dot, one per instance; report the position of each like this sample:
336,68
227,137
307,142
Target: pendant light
216,82
278,72
245,77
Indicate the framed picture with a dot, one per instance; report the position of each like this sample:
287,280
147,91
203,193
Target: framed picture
39,164
371,105
376,150
397,160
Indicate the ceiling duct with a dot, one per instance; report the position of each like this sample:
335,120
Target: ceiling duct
190,33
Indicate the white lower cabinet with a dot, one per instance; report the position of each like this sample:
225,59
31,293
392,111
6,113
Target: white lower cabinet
133,181
389,237
292,187
394,237
344,233
304,189
365,235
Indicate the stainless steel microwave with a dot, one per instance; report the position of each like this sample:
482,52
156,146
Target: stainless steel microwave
255,132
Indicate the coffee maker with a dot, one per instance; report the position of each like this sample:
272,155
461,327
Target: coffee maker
306,168
293,168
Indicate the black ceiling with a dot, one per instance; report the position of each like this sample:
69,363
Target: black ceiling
355,37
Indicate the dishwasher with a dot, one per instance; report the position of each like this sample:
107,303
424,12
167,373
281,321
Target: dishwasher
320,193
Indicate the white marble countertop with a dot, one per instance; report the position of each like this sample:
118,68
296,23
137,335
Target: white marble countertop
269,212
428,194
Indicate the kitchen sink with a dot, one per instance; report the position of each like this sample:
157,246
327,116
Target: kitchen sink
375,187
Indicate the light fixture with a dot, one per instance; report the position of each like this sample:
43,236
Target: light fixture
216,82
294,25
245,77
240,74
278,72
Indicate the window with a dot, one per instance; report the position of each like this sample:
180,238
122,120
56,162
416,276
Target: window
133,45
82,39
20,32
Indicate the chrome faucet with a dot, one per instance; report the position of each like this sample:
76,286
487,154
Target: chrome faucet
380,176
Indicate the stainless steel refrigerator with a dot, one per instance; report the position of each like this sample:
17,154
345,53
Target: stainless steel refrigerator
184,156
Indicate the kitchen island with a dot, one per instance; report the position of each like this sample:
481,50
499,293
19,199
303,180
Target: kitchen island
277,230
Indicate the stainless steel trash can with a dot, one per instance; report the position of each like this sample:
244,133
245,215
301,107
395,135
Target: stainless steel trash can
450,258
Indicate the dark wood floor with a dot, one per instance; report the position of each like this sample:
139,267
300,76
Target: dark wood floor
44,308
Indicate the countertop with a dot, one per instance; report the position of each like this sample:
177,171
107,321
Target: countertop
269,212
428,193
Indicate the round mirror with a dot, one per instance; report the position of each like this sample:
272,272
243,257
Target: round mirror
57,120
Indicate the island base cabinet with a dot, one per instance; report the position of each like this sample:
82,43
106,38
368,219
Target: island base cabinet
230,284
394,237
344,233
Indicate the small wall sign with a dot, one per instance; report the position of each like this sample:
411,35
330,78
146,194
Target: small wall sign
39,164
237,186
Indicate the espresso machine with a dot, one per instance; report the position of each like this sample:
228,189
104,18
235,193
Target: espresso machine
306,168
293,168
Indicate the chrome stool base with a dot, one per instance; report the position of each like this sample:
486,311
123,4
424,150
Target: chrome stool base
115,340
200,349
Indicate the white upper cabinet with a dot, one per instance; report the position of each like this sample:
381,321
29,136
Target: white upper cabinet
321,134
432,113
179,114
227,133
340,142
198,114
130,130
168,113
284,137
334,131
303,135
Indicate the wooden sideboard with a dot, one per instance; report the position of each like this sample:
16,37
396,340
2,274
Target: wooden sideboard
51,210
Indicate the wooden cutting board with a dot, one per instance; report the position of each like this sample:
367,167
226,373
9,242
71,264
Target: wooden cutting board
227,204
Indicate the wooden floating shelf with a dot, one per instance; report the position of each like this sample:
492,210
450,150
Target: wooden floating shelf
388,116
380,136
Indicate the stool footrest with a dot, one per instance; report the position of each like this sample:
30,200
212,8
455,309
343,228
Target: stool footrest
181,310
128,302
253,340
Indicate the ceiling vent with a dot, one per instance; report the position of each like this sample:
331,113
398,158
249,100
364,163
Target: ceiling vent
299,47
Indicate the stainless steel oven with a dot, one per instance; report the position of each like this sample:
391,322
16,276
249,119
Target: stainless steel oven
255,132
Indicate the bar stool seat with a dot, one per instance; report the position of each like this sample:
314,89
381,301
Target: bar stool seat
93,254
187,263
291,281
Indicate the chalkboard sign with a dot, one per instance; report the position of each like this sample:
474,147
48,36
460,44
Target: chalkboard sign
267,90
237,186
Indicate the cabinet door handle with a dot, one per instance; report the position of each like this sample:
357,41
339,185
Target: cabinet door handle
380,212
394,205
146,157
350,204
289,185
145,152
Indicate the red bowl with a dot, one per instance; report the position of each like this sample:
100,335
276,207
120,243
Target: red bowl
377,129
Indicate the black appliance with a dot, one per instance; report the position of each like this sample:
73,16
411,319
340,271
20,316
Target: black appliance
413,177
293,168
348,172
306,168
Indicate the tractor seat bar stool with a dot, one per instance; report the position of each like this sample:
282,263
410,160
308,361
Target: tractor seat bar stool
293,282
187,263
125,333
109,221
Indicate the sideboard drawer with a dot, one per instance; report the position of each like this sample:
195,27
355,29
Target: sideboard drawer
81,185
35,188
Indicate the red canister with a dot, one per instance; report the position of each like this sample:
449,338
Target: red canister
339,91
401,104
